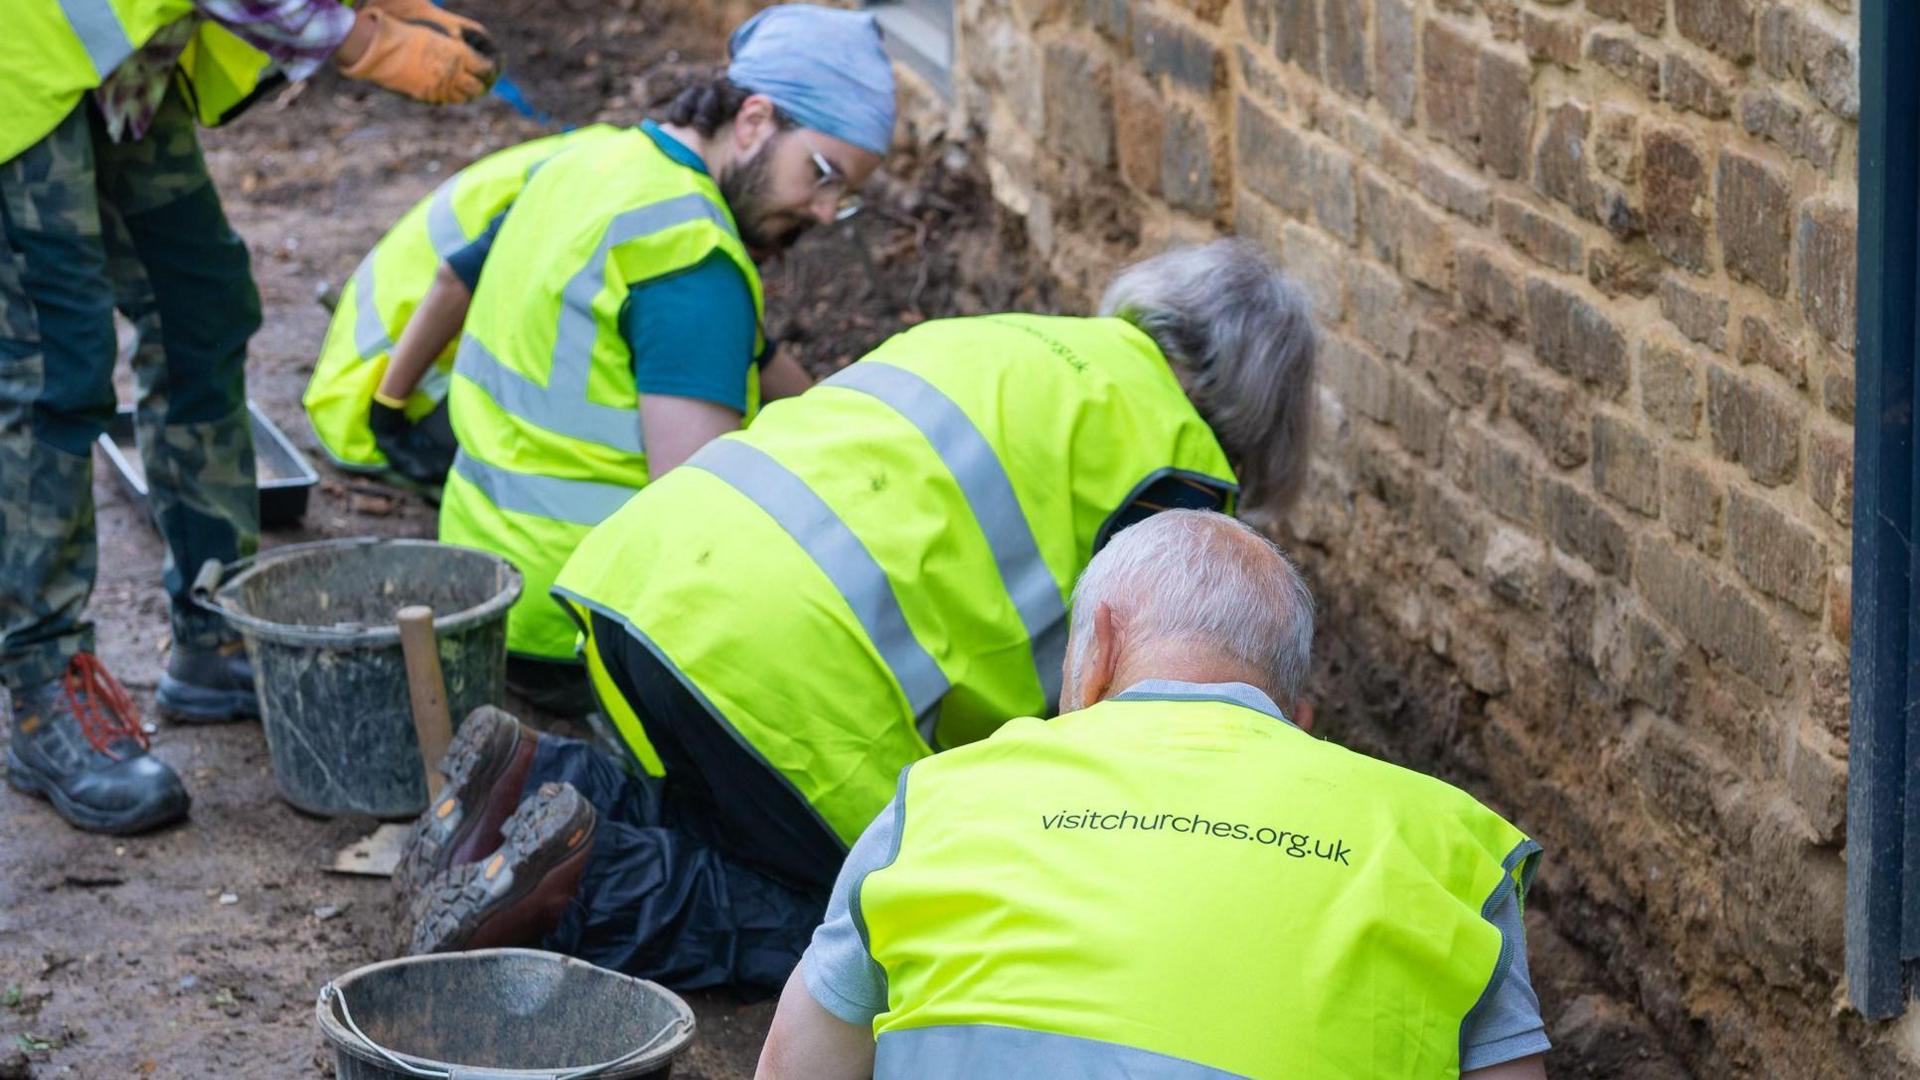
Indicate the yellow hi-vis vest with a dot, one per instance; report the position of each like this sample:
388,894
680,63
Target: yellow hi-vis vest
1183,889
54,51
543,399
380,298
882,565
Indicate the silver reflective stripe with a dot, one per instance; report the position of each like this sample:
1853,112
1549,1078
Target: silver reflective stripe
969,1051
561,406
989,493
840,555
573,340
581,502
546,407
443,225
369,333
97,26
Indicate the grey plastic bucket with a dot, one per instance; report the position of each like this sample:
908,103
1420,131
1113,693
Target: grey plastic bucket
500,1014
318,624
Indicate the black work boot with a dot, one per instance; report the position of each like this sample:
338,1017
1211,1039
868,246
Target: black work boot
208,686
517,895
77,743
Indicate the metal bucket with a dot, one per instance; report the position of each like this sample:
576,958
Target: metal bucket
318,624
500,1014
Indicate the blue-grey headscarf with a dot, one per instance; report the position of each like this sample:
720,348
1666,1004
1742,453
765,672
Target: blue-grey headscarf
823,67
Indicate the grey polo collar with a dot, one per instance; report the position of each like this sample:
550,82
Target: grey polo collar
1233,693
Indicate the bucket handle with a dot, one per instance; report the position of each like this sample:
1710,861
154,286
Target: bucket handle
331,994
213,571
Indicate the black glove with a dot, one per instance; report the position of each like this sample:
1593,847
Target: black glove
410,451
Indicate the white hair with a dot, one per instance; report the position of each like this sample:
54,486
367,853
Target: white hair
1225,315
1191,576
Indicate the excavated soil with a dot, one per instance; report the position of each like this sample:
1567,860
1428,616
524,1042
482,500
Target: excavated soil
198,951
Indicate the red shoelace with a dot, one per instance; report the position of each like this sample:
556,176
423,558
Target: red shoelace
90,686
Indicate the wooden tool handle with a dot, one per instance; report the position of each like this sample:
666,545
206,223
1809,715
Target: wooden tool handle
431,723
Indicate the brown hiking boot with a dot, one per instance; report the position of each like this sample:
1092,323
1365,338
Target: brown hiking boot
486,766
516,896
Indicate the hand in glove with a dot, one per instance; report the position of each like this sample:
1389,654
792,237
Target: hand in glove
426,12
409,450
440,59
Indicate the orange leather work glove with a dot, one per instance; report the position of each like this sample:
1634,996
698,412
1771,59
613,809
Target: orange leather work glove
423,60
455,26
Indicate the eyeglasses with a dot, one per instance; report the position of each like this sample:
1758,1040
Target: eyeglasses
847,202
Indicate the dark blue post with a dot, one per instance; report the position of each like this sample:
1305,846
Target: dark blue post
1883,822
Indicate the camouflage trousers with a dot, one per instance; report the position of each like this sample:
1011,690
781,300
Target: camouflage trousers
88,226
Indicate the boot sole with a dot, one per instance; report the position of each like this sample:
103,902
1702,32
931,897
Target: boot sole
547,831
30,781
189,704
438,829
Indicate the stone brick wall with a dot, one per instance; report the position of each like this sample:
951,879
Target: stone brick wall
1585,272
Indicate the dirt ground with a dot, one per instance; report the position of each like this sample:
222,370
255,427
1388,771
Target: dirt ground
198,951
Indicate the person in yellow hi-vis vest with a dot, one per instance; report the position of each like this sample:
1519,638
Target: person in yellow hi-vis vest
871,572
105,203
407,432
1172,879
609,323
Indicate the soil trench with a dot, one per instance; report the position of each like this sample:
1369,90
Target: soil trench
199,951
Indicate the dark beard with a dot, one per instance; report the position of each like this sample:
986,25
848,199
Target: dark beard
744,188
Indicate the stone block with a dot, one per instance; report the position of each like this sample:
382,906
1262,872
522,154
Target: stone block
1724,26
1553,413
1616,148
1079,104
1256,219
1381,315
1344,31
1676,198
1755,215
1418,416
1647,16
1812,137
1776,554
1450,70
1462,360
1700,315
1260,16
1359,380
1687,593
1455,525
1454,191
1514,565
1694,505
1651,663
1318,265
1779,40
1578,525
1753,427
1559,160
1836,391
1575,338
1538,236
1693,87
1818,780
1186,164
1505,113
1670,389
1550,40
1825,241
1397,73
1503,18
1500,475
1489,288
1840,612
1828,681
1140,129
1626,466
1109,17
1829,65
1164,47
1623,56
1761,344
1389,476
1830,473
1624,271
1405,236
1296,34
1301,175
